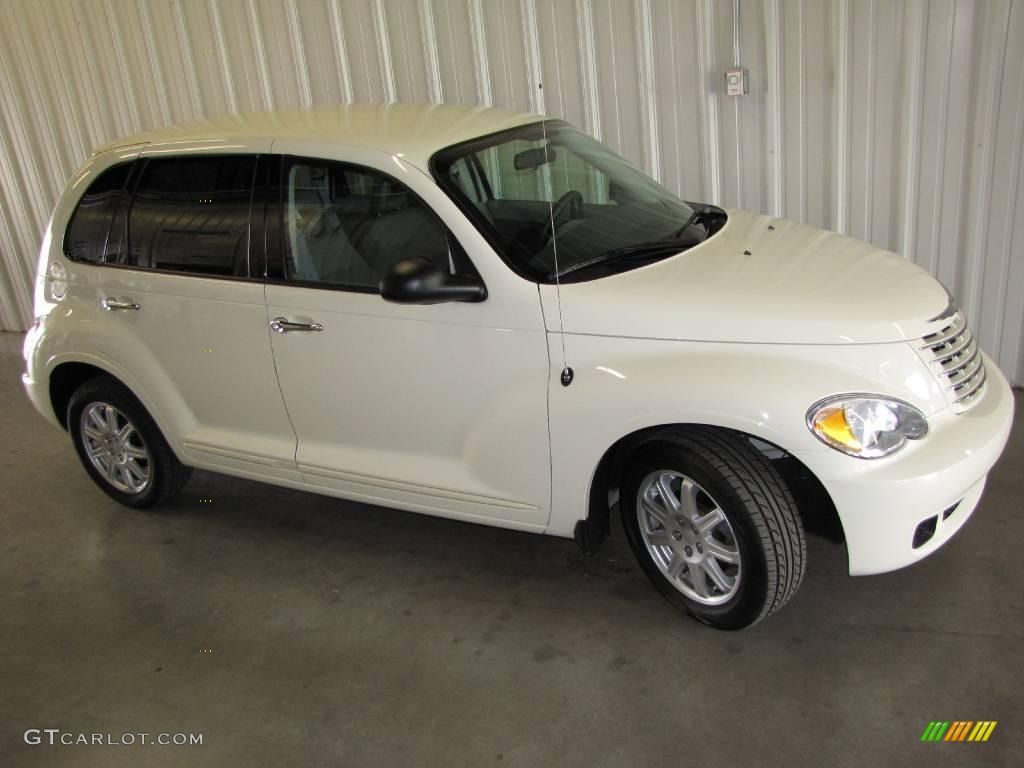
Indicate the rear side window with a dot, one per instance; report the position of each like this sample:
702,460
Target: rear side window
191,214
87,234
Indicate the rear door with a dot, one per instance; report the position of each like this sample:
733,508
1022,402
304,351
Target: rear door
181,310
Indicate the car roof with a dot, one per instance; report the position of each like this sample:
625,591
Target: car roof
414,131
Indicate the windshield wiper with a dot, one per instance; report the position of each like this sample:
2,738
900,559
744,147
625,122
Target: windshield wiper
694,218
652,249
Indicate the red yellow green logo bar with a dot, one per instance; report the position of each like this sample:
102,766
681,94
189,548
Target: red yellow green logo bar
959,730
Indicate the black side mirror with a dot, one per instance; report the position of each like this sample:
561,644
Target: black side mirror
417,281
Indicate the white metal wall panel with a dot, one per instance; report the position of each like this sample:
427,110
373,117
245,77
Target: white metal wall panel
897,121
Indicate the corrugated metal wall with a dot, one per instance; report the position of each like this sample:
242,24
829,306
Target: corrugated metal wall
897,121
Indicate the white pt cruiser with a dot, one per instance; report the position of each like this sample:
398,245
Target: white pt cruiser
491,317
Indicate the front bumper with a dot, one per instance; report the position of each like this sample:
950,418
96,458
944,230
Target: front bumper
882,502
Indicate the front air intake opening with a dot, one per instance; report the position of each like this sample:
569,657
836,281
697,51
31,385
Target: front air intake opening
924,531
954,358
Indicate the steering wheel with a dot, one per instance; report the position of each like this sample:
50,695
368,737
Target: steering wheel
571,201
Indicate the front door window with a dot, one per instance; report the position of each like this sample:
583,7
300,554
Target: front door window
346,226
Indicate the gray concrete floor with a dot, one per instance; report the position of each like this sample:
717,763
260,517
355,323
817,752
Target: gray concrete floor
341,634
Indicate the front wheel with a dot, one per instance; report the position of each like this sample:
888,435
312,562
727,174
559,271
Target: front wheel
713,526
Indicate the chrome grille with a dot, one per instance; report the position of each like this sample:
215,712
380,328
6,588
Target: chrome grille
953,356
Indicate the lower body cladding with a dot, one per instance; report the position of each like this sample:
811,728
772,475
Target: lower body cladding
899,510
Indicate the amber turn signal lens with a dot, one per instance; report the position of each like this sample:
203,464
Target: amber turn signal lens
835,426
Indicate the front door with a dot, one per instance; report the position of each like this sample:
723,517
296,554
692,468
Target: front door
439,409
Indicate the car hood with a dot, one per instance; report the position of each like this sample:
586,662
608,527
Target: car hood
761,280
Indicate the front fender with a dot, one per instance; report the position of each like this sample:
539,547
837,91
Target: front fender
622,386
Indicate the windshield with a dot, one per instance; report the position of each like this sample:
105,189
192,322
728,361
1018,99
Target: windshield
540,187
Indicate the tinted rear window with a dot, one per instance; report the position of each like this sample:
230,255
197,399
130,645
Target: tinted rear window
192,215
86,238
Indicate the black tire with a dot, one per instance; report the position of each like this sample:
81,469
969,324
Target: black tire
167,475
765,524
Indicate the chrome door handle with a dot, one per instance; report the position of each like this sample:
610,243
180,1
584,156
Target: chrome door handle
112,305
283,325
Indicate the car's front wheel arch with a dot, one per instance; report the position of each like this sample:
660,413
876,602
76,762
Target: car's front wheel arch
814,503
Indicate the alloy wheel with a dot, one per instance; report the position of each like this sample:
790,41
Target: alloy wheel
689,537
115,448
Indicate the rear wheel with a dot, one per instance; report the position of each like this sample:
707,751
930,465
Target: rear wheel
713,526
121,446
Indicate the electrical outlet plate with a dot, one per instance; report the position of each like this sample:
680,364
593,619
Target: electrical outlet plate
736,82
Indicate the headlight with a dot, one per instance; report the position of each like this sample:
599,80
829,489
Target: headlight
865,426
